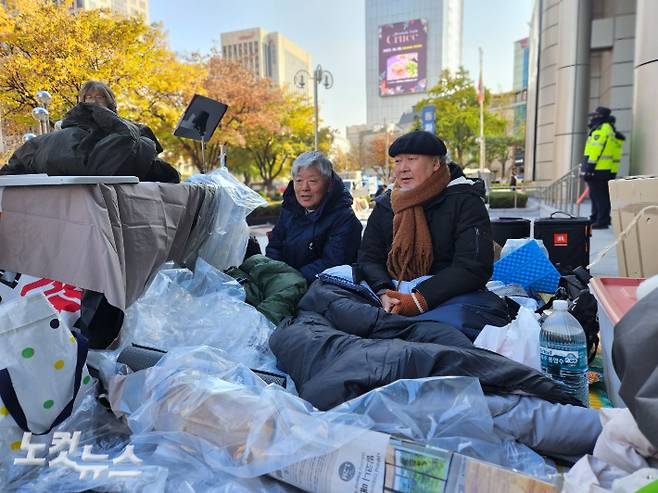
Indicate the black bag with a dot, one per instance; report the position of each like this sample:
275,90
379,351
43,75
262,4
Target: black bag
566,239
99,321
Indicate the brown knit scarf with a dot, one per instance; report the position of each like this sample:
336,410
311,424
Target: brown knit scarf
411,254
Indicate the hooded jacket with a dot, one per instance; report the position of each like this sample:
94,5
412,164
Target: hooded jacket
94,141
312,242
461,239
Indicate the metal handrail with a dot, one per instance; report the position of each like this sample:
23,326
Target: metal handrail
564,192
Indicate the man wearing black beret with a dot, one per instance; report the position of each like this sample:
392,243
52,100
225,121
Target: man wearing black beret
433,223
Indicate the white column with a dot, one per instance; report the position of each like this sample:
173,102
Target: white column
644,159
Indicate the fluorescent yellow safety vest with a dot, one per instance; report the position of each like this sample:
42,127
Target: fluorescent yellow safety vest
617,151
600,147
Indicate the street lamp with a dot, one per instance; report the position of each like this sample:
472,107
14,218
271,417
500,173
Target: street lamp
40,113
44,98
319,76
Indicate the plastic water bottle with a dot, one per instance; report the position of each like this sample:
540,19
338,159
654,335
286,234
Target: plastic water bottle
563,351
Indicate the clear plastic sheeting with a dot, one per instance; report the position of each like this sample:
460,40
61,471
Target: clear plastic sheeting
224,416
201,423
230,418
187,472
227,241
181,308
446,412
100,430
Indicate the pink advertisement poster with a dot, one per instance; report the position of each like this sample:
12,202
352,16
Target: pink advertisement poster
403,57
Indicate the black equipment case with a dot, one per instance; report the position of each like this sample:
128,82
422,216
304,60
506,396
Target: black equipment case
566,239
505,228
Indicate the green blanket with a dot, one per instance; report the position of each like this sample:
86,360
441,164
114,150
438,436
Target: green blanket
273,288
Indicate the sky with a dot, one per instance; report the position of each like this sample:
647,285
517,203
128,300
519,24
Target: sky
333,32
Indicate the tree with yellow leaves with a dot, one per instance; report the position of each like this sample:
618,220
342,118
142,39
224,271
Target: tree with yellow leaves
44,46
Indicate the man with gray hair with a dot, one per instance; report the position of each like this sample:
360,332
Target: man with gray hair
317,228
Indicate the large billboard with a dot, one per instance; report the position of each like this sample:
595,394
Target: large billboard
403,57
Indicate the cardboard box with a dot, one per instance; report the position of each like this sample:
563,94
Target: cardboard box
636,255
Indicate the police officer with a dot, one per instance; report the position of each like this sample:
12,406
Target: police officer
598,166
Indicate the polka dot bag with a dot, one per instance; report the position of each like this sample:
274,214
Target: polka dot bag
42,368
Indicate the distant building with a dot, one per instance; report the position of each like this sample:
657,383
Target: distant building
128,8
268,55
520,85
408,44
521,53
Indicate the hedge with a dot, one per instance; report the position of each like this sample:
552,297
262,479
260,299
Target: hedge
505,199
263,215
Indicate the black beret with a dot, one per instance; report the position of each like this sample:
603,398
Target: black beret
418,142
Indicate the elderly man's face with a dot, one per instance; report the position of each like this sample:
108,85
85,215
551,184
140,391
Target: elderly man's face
411,170
310,187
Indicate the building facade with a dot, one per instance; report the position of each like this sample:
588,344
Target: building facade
520,82
269,55
582,55
127,8
408,44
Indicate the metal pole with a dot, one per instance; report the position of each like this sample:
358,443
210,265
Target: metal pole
316,80
482,144
386,170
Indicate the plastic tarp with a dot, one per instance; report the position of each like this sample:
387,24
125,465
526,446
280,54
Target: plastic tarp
451,413
201,422
244,428
227,238
181,308
101,430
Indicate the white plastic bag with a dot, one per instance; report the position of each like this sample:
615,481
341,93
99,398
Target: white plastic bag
518,340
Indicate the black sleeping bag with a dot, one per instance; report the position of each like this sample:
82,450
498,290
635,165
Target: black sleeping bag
339,347
94,141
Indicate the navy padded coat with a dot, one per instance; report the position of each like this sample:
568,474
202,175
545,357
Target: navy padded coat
312,242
